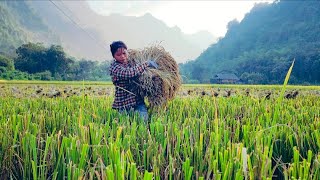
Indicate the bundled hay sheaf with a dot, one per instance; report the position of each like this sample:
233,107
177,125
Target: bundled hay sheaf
158,85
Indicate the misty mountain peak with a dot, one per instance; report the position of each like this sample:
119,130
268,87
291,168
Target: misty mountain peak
95,29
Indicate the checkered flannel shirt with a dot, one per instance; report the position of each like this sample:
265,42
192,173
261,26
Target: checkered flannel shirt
121,74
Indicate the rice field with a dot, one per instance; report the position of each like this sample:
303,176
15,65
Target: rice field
69,131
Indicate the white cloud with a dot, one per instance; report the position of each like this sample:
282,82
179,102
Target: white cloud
189,16
129,8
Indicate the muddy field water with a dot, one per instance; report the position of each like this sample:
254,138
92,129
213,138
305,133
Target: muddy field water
54,90
64,90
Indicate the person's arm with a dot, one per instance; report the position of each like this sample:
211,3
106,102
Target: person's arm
129,72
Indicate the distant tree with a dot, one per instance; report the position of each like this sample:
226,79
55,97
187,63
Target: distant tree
46,76
15,74
200,73
57,59
101,72
232,24
91,70
31,58
35,58
2,70
84,69
6,62
254,78
104,67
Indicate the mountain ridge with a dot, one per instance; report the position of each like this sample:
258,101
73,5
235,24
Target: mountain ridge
261,48
88,34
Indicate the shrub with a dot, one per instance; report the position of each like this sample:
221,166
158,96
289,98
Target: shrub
46,75
6,62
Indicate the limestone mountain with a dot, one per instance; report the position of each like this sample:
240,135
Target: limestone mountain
261,48
19,24
86,34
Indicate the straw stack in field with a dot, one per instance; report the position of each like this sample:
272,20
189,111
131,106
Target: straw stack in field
158,85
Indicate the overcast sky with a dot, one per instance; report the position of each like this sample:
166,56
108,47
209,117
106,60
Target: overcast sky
189,16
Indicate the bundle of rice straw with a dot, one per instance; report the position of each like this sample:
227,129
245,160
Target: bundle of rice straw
157,85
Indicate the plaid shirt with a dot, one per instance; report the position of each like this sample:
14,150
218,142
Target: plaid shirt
121,74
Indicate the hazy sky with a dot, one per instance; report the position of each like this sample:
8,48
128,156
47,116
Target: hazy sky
189,16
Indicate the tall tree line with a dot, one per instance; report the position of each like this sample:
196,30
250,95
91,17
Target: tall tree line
35,61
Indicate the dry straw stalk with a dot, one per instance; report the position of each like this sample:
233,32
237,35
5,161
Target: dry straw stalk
157,85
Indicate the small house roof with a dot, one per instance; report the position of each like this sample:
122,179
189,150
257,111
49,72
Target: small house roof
226,76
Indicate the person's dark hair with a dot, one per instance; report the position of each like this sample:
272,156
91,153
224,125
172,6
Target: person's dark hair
115,45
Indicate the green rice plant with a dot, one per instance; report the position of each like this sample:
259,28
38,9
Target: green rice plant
281,96
133,171
298,169
110,172
187,169
285,82
148,175
238,137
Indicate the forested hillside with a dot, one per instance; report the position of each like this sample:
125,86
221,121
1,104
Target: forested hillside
261,47
19,24
10,33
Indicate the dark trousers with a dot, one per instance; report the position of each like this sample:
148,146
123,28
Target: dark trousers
141,109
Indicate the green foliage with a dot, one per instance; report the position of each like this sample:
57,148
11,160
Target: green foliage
57,59
3,69
263,44
31,58
6,62
37,62
35,58
191,81
84,69
253,78
15,74
46,76
89,70
19,75
200,73
19,23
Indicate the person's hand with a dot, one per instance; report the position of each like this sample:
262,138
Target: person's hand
153,64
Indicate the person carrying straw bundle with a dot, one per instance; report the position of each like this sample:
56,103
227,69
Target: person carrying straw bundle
150,72
122,72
